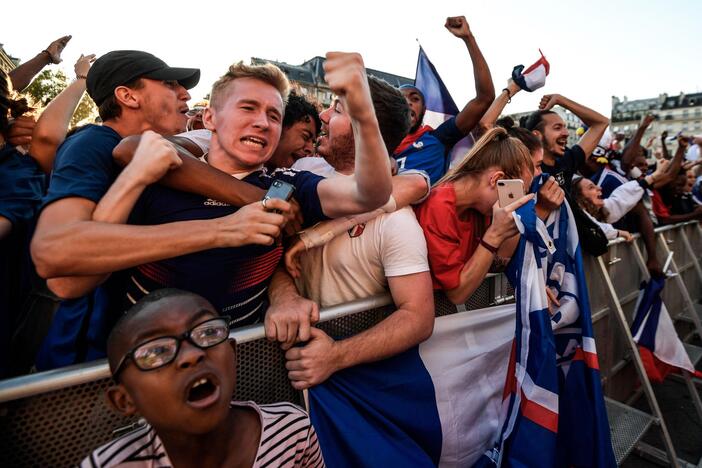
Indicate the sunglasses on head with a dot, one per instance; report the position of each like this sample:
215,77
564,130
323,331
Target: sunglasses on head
159,352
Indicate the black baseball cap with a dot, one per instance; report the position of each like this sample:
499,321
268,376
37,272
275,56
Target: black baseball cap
119,67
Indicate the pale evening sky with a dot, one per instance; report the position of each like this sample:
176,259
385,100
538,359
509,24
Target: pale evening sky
597,49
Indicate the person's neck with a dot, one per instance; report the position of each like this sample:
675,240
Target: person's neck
231,443
343,165
549,158
219,159
127,127
465,190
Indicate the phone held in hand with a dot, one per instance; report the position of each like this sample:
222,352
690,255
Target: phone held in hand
509,190
281,190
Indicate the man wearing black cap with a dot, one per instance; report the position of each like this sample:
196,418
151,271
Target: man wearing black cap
428,149
135,92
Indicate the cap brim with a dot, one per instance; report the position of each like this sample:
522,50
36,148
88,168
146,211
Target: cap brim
188,77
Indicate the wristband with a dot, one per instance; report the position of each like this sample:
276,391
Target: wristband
488,247
509,95
81,77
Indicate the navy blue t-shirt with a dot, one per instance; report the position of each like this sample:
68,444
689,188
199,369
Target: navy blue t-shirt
83,168
430,151
234,280
22,184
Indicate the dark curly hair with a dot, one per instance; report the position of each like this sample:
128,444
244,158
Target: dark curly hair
299,108
10,106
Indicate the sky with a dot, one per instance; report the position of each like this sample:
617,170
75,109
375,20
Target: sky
597,49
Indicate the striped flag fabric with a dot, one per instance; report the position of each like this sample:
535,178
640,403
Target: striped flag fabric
660,348
437,404
553,409
533,77
439,103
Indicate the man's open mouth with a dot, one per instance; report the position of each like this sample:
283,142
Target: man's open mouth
253,142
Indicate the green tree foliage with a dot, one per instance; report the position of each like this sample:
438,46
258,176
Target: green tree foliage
48,84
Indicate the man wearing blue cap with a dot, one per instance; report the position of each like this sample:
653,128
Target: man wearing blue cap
426,148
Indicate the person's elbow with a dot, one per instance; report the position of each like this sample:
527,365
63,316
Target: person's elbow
48,256
379,196
455,295
65,288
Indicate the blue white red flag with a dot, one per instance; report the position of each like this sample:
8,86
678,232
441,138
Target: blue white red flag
533,77
439,103
437,404
660,348
554,413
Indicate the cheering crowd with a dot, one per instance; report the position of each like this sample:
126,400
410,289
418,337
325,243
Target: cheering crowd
147,236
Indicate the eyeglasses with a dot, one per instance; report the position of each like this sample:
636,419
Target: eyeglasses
161,351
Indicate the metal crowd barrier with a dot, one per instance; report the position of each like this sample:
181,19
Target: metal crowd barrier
56,418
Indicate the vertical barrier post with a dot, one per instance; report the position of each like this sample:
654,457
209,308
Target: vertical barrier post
681,286
691,253
638,364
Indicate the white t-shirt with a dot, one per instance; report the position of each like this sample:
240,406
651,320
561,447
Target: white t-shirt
355,264
200,137
316,165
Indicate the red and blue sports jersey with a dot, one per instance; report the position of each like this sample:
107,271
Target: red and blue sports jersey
429,150
235,280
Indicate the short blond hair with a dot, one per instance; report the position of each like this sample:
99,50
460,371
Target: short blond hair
268,73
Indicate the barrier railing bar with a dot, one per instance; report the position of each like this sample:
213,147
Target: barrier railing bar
43,382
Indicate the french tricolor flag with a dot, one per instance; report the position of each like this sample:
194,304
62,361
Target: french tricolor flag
660,348
439,103
436,404
553,409
533,77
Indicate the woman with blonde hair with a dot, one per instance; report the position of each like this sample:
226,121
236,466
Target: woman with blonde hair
464,225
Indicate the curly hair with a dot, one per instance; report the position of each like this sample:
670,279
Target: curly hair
10,105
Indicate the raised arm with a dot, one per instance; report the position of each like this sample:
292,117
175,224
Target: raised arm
370,186
674,167
25,73
488,119
633,148
50,130
596,122
469,117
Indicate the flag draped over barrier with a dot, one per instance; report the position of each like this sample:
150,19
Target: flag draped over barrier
439,103
435,404
553,413
660,348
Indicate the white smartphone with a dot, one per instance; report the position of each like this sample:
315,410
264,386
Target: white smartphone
509,190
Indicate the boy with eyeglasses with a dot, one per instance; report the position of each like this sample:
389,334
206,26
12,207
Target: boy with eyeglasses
174,365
